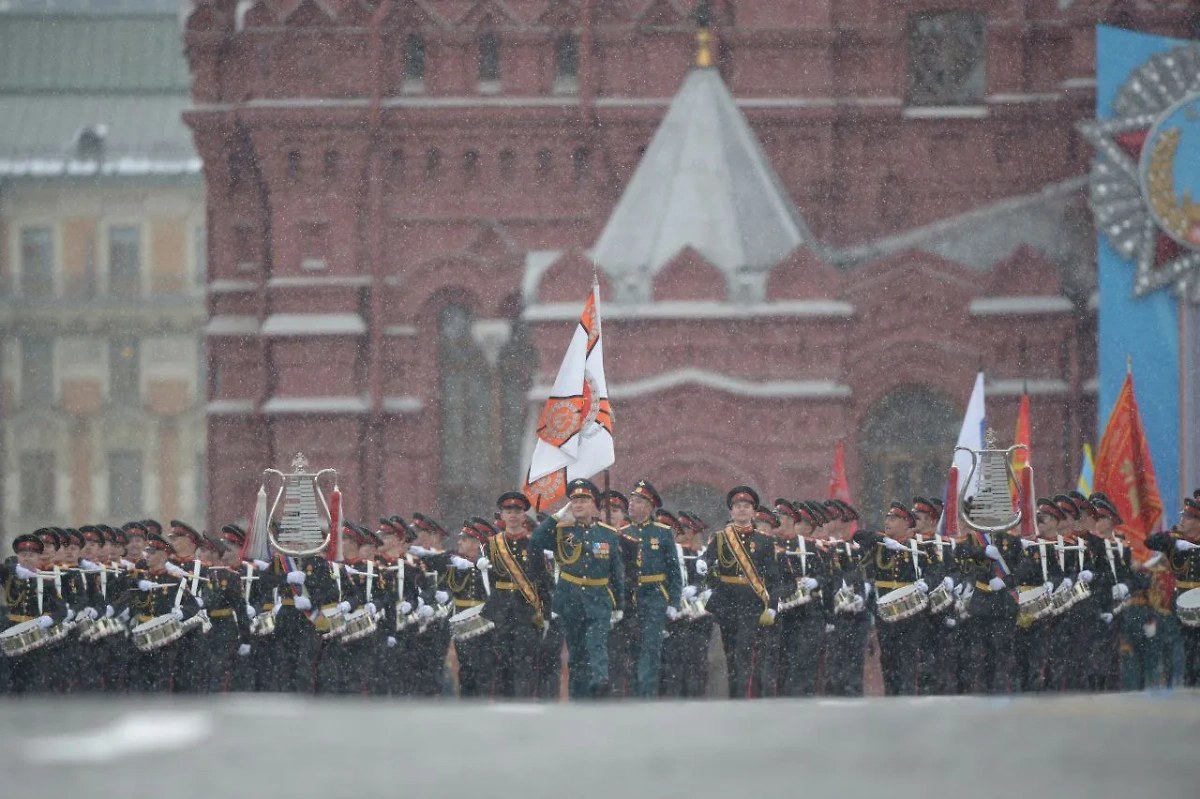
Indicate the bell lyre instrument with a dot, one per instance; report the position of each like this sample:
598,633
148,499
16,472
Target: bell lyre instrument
299,533
991,510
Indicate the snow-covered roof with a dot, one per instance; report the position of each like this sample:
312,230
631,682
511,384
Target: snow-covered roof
695,309
731,384
230,407
232,325
1021,305
705,183
405,404
314,324
275,405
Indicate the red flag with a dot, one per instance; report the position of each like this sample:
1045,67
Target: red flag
1125,472
839,486
1021,437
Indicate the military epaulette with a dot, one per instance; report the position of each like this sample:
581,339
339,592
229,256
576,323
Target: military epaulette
607,526
663,526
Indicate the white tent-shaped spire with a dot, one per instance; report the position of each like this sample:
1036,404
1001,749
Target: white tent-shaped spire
705,183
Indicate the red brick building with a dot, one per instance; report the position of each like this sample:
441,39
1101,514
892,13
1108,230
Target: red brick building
860,205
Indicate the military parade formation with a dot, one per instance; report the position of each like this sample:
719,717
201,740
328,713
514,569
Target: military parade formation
632,591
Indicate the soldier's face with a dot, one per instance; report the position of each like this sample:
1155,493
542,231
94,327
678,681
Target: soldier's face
741,512
1189,526
136,547
925,524
73,552
49,555
766,528
366,552
156,558
787,526
91,550
231,557
29,560
513,519
583,508
617,514
1046,526
469,547
350,548
183,546
896,527
640,508
1105,527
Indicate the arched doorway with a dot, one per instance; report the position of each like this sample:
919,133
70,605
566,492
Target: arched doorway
465,418
906,443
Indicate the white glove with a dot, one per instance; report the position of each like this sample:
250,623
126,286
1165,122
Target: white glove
992,552
108,611
1106,618
244,649
462,564
425,612
70,615
829,628
701,568
350,569
996,584
405,608
563,514
303,604
948,582
25,574
124,615
771,613
921,586
616,617
1085,576
145,585
867,589
127,564
372,609
1185,546
250,611
177,613
553,615
958,589
950,622
261,565
705,594
672,613
858,606
894,545
200,601
1049,587
1122,592
343,607
1150,630
1065,585
483,564
689,591
391,641
45,621
87,564
420,552
296,578
174,570
442,598
89,613
808,583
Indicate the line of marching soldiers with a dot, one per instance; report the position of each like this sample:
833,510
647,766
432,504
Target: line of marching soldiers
633,591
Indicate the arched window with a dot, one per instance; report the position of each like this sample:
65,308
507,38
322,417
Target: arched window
906,442
465,389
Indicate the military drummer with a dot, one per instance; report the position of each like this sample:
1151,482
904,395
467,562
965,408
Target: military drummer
591,585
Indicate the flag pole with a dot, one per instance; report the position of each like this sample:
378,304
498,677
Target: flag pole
607,504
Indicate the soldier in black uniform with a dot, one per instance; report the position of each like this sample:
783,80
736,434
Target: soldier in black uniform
228,643
468,582
992,609
801,628
193,659
520,603
896,562
394,536
1181,547
1038,567
73,590
845,600
548,663
1114,580
305,587
433,629
741,568
685,652
156,593
30,597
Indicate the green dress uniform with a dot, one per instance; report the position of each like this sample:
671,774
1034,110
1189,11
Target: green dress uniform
659,585
590,587
1184,561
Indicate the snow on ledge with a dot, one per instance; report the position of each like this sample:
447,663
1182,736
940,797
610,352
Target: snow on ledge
1015,388
279,405
314,324
694,309
1020,305
403,404
230,407
232,325
768,389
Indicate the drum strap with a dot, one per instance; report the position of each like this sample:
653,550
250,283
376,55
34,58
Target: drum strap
803,558
41,590
746,565
1042,550
502,553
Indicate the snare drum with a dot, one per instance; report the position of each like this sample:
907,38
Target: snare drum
263,624
470,623
200,620
359,625
157,633
801,597
22,638
901,603
1187,608
103,628
336,621
692,609
940,599
1034,604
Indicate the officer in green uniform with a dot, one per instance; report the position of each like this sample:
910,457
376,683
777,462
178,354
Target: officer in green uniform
589,593
658,583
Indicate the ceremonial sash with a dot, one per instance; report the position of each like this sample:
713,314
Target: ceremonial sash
508,560
746,565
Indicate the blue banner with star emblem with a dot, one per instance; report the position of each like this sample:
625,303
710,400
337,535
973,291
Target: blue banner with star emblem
1145,190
